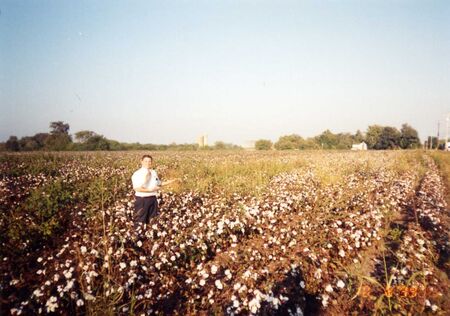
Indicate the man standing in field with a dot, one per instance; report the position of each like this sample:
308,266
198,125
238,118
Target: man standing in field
146,184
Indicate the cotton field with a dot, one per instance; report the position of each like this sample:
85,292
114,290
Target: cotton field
243,233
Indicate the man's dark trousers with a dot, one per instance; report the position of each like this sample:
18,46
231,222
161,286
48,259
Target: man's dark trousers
144,209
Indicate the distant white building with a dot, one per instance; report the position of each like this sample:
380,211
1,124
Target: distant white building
249,144
202,141
361,146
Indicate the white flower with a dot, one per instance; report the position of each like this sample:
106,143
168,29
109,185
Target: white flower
342,253
80,302
51,304
68,286
213,269
202,282
219,284
37,293
302,284
133,263
39,259
237,286
139,243
122,265
325,298
340,284
434,308
83,249
228,273
318,273
254,305
329,288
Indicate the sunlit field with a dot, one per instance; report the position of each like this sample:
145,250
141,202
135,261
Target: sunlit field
269,233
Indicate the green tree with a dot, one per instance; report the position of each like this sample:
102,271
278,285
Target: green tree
263,144
389,138
293,141
220,145
12,144
358,137
57,142
409,137
83,136
373,136
310,143
97,142
327,140
59,127
28,143
40,138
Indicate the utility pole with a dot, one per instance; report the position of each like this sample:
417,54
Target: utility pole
447,119
437,145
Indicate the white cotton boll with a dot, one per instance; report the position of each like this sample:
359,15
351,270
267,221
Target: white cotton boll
202,282
340,284
83,249
329,288
213,269
325,298
219,284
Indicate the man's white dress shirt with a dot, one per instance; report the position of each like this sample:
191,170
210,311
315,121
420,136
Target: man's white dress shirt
138,179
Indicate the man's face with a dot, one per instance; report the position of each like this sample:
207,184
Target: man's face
146,163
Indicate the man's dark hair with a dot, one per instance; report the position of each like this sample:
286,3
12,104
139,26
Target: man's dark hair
147,156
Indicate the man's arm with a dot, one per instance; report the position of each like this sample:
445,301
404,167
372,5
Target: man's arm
164,183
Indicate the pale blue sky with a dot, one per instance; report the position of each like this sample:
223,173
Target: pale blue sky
168,71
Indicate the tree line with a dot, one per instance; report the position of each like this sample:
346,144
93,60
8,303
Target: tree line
59,139
376,137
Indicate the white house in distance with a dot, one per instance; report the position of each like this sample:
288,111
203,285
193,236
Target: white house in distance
360,146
